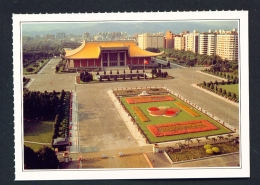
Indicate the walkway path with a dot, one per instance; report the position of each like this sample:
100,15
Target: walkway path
37,143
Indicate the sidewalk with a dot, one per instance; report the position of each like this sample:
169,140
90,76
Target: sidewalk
74,126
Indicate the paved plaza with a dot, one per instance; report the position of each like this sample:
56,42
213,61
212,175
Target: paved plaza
100,126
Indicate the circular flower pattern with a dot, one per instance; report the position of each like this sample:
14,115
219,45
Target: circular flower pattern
163,111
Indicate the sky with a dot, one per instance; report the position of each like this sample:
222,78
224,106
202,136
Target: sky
32,29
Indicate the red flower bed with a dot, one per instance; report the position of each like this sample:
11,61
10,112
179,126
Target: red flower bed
153,109
163,111
148,99
177,128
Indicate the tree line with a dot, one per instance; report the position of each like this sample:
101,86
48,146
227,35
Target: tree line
41,105
190,58
44,158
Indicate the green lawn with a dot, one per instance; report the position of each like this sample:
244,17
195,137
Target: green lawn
233,88
181,117
38,132
36,69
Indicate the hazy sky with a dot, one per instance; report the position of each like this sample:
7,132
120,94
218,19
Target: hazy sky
137,27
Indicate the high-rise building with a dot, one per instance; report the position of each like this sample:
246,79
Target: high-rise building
60,35
86,36
179,42
212,41
207,43
203,43
50,37
191,41
147,40
169,39
227,46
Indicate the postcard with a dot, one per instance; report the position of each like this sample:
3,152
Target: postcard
152,95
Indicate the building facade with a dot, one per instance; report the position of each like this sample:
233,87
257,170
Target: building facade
169,39
147,40
179,42
212,42
227,46
60,35
107,54
192,41
207,43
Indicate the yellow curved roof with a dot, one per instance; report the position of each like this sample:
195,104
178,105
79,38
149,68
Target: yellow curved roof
92,50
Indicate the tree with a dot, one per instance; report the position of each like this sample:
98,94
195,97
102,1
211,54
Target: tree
220,138
188,140
57,68
229,136
47,158
198,142
30,158
213,140
180,145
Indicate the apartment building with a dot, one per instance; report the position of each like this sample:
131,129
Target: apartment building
192,41
169,39
179,42
207,43
227,46
148,40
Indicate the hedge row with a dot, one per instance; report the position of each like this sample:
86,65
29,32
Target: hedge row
61,124
212,87
225,75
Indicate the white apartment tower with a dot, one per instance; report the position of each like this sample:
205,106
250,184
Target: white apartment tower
212,41
179,42
203,43
147,40
227,46
191,41
207,43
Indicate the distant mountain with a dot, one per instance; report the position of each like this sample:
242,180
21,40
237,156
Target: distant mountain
129,27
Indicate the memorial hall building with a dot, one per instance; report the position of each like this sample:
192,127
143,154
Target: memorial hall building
107,54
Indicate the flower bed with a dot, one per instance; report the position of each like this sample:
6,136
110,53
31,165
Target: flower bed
148,99
163,111
177,128
187,109
140,114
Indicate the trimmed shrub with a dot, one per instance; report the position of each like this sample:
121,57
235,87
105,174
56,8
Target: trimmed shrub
215,150
207,146
209,151
30,69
